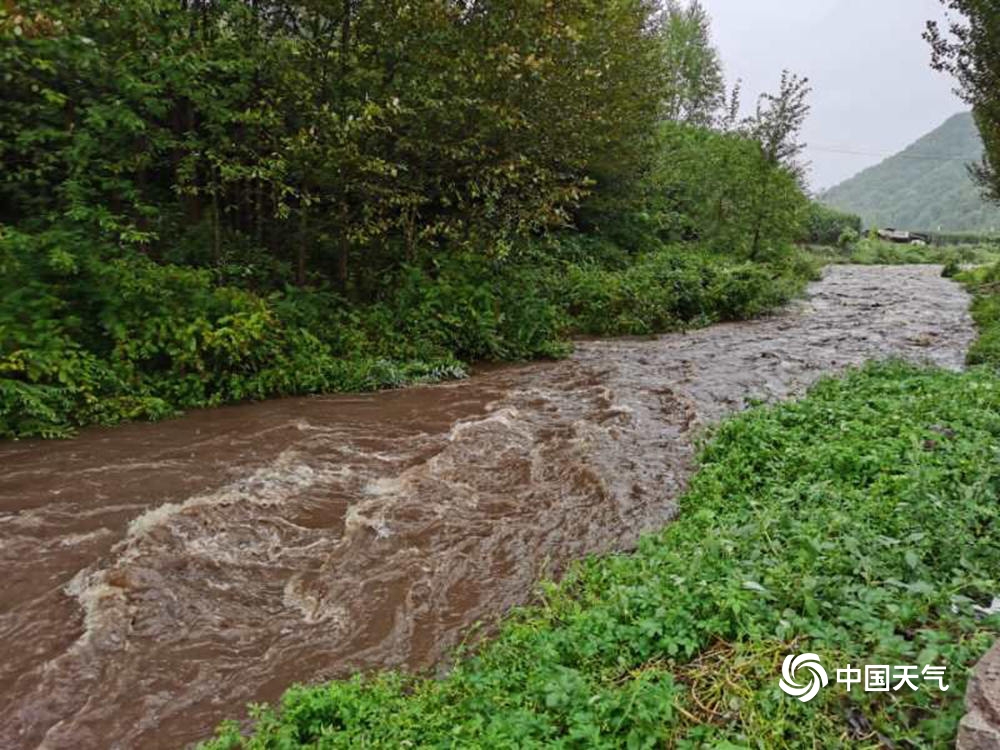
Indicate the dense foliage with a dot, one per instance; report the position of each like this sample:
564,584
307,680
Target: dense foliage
829,227
807,529
984,283
718,189
208,201
321,133
924,188
100,341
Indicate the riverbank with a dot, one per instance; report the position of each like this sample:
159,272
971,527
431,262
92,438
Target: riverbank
127,340
869,251
858,523
984,284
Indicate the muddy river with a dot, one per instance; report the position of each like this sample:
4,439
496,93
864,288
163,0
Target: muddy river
157,577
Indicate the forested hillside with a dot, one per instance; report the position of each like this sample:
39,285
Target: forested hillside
204,202
925,187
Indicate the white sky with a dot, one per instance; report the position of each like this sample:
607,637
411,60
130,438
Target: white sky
873,88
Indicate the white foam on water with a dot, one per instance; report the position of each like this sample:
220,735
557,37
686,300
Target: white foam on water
383,486
508,418
266,487
107,613
366,516
73,540
313,606
442,467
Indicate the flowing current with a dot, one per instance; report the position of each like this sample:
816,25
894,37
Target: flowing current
158,577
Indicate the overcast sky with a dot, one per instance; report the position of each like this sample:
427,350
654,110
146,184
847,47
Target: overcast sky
874,90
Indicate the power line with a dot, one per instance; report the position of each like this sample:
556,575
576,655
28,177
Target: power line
884,155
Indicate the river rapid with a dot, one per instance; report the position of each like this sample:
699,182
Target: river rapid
158,577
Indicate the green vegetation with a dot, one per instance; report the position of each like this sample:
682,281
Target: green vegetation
963,238
155,338
829,227
203,202
968,47
869,251
857,524
984,283
926,187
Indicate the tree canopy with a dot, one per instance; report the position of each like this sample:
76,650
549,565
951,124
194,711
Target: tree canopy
316,129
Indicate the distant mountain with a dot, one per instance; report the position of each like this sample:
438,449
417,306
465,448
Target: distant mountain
924,187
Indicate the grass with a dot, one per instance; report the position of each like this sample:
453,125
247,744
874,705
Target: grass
858,523
878,252
984,283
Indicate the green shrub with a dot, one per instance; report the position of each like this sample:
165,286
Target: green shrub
105,339
847,238
91,334
951,269
674,288
828,226
984,283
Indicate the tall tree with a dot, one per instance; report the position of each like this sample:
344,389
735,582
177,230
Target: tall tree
695,89
968,47
777,123
776,127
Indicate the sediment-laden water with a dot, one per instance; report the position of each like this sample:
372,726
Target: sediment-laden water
157,577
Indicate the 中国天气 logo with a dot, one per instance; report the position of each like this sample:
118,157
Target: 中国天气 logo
808,684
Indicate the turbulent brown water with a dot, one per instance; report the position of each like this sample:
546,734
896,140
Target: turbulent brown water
157,577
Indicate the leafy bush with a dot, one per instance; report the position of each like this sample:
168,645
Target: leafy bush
847,238
951,269
101,339
984,283
828,226
92,334
858,523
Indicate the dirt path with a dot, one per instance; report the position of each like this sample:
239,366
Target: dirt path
160,576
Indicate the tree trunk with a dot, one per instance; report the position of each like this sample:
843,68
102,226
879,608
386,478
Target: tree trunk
302,252
216,222
344,251
259,213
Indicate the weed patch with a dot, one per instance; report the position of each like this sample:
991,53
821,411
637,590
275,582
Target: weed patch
984,283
